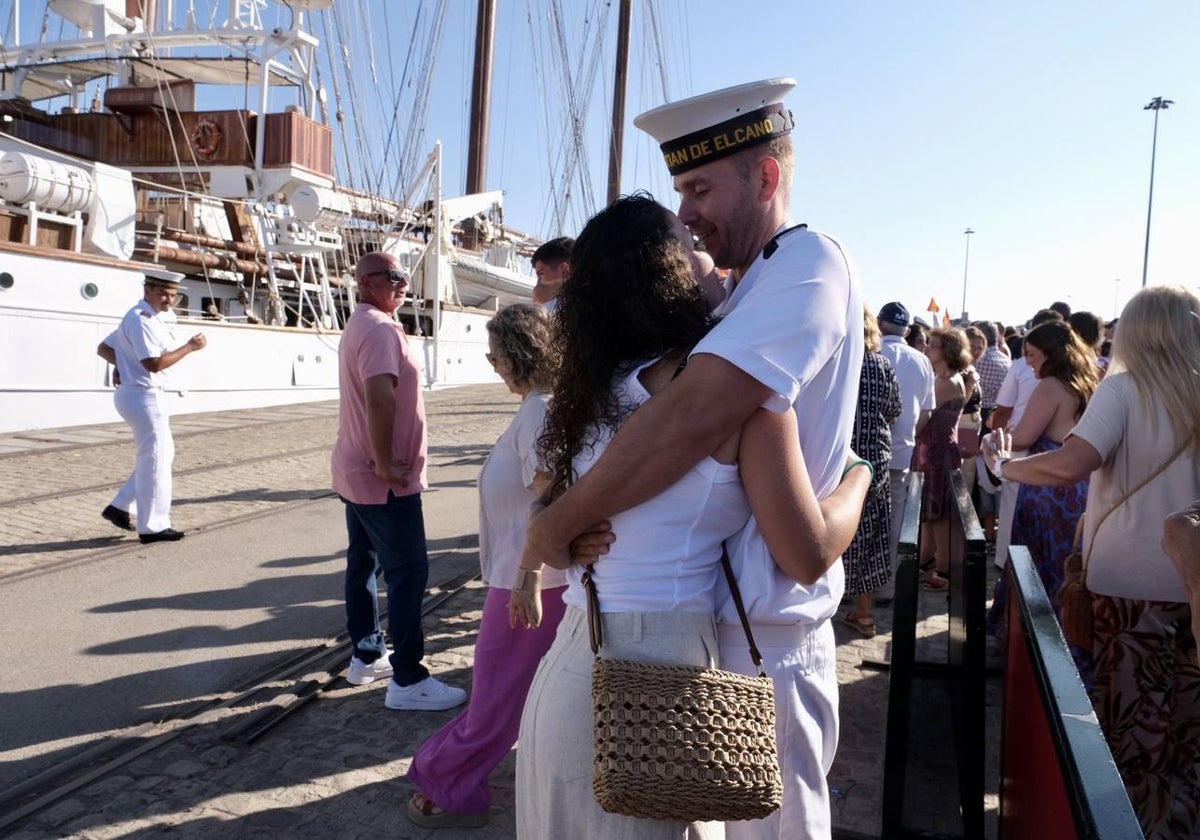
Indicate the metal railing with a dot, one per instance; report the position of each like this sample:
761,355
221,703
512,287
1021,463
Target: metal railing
963,669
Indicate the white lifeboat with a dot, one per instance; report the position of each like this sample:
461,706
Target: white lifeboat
50,185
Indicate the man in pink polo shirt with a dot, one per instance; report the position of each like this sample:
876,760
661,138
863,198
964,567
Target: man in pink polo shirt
379,471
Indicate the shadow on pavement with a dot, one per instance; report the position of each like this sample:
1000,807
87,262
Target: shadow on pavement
67,545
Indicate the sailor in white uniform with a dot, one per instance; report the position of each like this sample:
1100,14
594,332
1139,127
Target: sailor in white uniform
143,348
794,323
791,339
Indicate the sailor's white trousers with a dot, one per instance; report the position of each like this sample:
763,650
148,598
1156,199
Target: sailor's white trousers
148,489
802,662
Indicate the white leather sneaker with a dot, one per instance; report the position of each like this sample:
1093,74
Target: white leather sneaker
430,694
362,673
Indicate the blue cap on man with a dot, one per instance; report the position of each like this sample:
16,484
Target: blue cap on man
895,313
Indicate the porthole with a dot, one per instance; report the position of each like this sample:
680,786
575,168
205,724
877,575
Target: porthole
6,280
89,291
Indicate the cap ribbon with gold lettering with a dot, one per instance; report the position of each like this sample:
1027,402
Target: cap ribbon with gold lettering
699,130
728,137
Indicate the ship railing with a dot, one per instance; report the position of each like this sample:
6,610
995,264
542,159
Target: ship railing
1058,775
963,668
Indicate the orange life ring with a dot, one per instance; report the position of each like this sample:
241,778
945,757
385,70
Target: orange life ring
206,138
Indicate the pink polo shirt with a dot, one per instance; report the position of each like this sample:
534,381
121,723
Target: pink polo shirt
373,344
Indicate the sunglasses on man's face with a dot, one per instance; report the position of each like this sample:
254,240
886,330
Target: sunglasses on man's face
393,276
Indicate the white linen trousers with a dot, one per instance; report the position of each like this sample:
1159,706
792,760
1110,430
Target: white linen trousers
149,485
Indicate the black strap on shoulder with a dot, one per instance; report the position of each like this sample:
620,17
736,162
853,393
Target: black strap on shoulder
682,364
771,247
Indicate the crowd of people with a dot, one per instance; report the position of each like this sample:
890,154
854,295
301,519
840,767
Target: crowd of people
710,382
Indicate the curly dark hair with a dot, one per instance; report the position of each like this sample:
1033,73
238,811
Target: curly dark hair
525,335
632,298
1067,359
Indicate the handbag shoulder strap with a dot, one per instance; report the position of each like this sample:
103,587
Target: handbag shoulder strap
1161,469
596,627
755,656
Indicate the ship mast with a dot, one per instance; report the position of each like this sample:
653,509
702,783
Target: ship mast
618,112
481,95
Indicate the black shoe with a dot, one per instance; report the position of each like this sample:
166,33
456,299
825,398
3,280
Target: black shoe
118,517
166,535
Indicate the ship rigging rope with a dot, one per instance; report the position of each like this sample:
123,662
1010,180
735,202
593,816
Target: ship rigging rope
347,173
395,91
655,55
422,87
568,164
365,155
166,93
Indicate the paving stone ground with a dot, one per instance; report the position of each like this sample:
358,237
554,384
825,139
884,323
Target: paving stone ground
335,768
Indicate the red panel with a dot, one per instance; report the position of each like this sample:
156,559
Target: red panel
1033,799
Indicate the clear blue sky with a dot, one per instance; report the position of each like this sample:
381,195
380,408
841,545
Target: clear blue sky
1023,121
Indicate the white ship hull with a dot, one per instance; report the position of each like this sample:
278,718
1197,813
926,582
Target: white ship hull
240,199
50,375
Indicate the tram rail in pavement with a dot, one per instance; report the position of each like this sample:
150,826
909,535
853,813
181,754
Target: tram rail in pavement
335,766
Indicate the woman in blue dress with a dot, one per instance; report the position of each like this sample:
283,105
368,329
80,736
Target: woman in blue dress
1045,518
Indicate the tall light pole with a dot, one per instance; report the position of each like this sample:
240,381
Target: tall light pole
1156,104
1117,298
966,262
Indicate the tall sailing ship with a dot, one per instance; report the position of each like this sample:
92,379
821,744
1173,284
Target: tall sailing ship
244,202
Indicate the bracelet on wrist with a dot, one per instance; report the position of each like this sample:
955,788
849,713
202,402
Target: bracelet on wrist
524,575
859,462
999,471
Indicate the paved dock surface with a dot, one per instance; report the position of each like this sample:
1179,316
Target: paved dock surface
106,639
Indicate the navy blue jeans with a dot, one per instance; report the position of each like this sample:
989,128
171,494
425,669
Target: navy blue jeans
394,535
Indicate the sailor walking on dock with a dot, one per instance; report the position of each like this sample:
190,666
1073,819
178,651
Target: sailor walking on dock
143,348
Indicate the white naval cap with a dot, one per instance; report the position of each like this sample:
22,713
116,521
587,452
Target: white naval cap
705,128
162,277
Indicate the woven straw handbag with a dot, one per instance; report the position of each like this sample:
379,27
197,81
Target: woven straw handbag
682,742
1074,598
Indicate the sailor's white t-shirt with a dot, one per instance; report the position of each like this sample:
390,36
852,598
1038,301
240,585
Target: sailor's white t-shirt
795,323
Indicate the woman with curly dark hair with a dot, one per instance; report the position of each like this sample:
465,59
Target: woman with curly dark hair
1045,518
626,322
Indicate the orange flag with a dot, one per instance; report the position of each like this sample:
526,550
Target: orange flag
933,307
946,320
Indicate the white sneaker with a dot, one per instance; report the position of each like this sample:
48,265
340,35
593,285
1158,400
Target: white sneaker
362,673
430,694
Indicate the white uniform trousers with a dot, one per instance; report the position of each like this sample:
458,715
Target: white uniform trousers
802,662
148,489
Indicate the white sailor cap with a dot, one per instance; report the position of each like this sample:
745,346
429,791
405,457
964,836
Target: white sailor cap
699,130
162,277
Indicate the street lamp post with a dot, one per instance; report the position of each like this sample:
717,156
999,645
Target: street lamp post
1156,104
966,262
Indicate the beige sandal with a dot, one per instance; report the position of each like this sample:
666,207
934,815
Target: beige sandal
863,625
423,812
